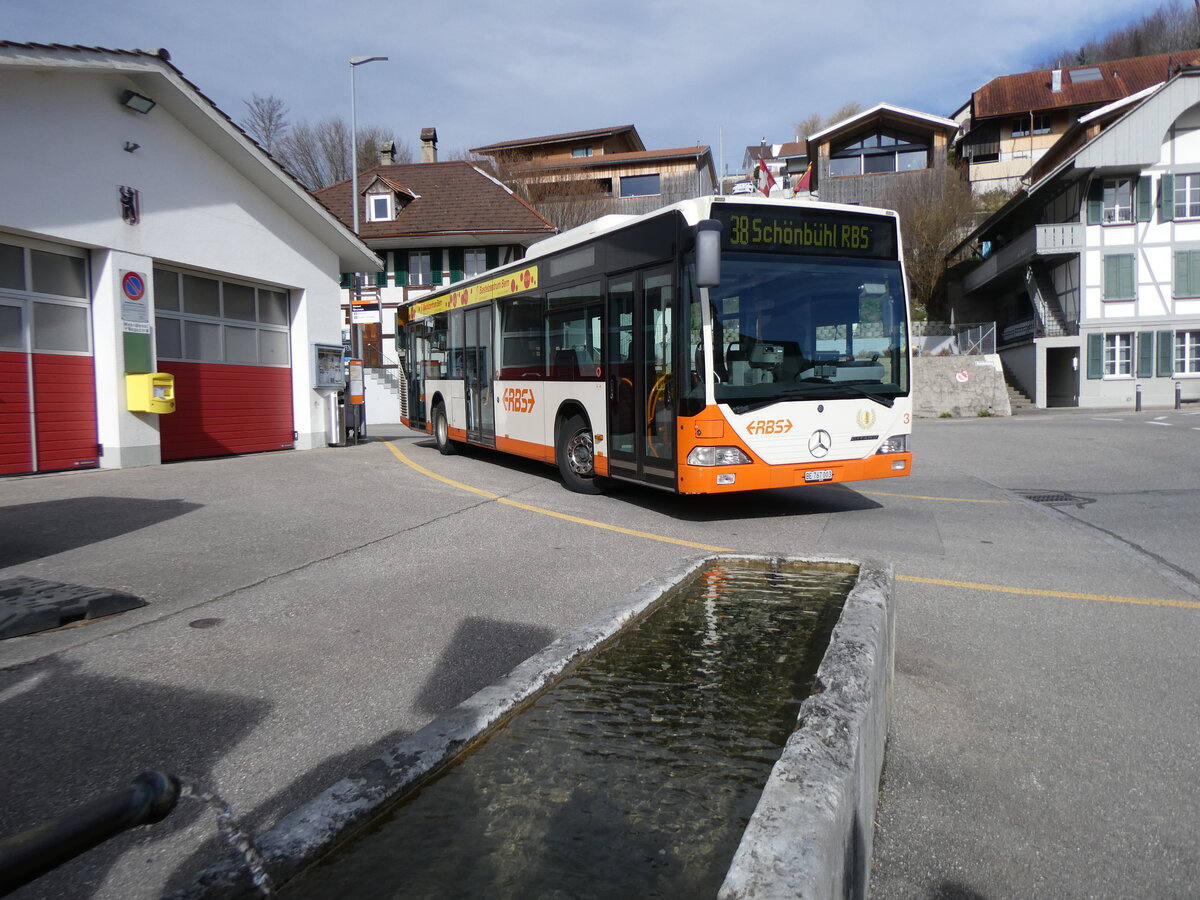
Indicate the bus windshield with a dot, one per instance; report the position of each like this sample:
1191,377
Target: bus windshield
807,328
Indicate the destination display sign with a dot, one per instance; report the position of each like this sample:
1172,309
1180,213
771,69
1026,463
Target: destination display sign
761,229
522,280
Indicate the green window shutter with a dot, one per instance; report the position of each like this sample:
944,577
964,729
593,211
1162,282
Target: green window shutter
435,266
1119,281
456,264
1095,203
347,280
1145,351
1166,354
1183,273
491,257
401,258
1166,198
381,279
1095,356
1145,198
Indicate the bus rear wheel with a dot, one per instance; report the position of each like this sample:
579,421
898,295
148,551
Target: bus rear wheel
575,454
441,431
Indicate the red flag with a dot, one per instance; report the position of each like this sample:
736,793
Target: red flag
766,181
805,182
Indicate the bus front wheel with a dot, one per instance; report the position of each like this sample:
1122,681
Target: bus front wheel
441,431
575,454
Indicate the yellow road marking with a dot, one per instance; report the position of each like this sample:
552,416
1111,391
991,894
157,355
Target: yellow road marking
922,497
1038,592
549,512
965,585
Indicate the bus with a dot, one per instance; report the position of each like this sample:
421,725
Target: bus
719,344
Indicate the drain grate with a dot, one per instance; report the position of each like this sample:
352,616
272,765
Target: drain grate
1056,498
29,605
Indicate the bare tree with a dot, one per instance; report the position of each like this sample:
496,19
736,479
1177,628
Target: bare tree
266,121
319,155
571,202
936,212
1173,27
810,124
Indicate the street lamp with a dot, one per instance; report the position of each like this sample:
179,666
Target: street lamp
355,338
355,62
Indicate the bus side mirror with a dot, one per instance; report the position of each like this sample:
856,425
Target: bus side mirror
708,253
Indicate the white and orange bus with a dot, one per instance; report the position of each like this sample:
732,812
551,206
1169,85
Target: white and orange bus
715,345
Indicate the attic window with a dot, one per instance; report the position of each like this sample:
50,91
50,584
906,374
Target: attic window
580,152
379,208
1091,73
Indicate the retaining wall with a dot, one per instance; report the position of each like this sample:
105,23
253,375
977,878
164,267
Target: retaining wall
960,386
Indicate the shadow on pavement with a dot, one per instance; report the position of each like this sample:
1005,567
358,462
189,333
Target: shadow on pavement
480,652
797,501
32,531
68,736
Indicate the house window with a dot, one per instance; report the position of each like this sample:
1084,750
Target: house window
379,208
1024,126
1118,200
1187,196
640,185
581,152
1118,354
474,262
1187,352
1119,280
880,152
419,270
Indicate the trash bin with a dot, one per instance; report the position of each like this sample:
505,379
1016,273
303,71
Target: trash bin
335,420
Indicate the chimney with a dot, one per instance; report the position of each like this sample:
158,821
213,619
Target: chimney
387,153
428,145
1056,81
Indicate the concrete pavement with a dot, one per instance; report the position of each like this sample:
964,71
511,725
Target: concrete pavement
306,610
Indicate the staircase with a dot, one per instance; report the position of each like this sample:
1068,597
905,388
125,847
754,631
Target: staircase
1040,287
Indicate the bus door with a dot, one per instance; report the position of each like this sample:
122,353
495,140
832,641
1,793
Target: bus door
477,371
641,380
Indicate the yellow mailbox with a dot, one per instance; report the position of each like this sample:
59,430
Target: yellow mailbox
153,392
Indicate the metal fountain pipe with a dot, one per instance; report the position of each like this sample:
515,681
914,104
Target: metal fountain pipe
34,852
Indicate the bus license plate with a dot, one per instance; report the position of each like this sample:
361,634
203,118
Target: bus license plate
818,475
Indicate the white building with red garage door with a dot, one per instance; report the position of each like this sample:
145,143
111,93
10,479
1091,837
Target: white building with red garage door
142,233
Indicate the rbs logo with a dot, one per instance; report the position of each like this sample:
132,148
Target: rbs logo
518,400
770,426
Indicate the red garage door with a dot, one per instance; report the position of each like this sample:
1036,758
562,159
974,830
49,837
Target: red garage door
221,410
227,344
47,377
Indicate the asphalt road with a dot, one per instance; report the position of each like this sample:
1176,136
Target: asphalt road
306,610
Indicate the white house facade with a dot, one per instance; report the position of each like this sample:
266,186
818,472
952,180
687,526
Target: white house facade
1093,272
143,235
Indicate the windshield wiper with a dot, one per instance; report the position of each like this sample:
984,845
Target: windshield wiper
823,388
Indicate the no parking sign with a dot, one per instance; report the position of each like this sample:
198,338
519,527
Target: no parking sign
134,309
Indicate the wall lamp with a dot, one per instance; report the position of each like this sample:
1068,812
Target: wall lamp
137,102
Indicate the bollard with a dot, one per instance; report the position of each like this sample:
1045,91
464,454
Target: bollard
33,853
1178,395
1137,398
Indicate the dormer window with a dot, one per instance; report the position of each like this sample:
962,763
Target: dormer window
380,208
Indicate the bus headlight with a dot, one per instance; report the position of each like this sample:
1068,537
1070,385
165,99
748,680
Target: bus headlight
897,443
717,456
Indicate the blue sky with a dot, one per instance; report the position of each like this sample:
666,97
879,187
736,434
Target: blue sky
684,73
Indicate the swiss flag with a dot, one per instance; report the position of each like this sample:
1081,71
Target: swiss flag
765,180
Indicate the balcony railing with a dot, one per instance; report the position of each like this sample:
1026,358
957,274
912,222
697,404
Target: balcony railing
1042,240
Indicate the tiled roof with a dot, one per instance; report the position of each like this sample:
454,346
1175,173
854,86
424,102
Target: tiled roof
521,143
452,198
1031,91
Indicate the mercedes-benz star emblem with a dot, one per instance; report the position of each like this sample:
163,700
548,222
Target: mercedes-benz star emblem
820,443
